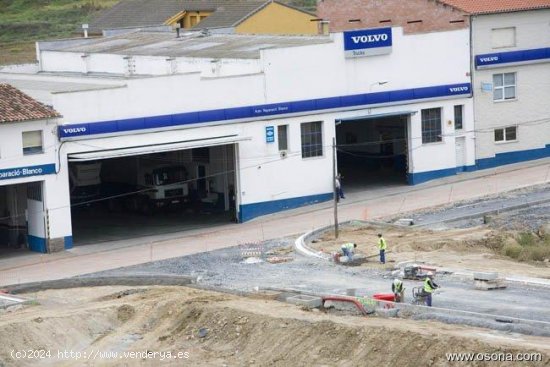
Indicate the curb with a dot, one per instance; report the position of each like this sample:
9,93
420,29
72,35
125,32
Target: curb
100,282
302,248
480,214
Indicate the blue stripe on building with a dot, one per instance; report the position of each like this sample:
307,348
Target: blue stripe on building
251,211
68,241
512,57
500,159
37,244
275,109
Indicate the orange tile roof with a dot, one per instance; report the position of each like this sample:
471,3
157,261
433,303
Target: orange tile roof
496,6
17,106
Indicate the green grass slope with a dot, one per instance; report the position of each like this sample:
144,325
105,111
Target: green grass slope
22,22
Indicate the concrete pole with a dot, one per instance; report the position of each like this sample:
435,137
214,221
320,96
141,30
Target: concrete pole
335,193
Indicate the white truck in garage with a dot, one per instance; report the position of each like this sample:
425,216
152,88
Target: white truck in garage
141,185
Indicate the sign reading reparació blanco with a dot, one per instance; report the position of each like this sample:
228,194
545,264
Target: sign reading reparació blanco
367,42
19,172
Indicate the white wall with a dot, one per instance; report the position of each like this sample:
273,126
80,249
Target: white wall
56,186
160,96
417,60
441,155
530,111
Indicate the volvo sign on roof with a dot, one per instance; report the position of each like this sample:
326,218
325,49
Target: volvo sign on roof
367,42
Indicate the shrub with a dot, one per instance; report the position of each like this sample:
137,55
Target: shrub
527,239
536,253
512,250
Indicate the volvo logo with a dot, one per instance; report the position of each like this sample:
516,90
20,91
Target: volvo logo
459,89
74,130
488,59
370,38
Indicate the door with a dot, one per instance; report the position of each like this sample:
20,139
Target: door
460,144
36,226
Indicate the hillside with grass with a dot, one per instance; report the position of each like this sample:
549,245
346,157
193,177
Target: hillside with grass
22,22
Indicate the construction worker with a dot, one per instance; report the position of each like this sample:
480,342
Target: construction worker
382,247
429,287
348,249
398,290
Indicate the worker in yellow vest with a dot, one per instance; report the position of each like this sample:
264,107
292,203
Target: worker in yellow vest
398,290
382,247
429,287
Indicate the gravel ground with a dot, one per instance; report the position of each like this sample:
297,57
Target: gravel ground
527,218
225,268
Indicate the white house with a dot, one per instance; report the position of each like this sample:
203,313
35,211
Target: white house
34,195
511,82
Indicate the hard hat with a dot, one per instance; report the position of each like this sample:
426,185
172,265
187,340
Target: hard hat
430,274
396,281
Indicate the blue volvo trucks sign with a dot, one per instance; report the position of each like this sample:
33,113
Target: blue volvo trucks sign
367,42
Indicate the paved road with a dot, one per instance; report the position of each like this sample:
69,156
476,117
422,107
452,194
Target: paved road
375,203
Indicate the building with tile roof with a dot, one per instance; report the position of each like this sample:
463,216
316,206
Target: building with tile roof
478,7
28,175
16,106
229,16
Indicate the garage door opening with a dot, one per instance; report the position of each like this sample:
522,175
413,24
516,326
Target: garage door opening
22,226
151,194
373,151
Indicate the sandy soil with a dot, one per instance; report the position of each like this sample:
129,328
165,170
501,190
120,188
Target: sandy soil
467,249
238,332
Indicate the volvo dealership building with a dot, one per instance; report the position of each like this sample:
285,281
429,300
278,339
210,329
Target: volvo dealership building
247,125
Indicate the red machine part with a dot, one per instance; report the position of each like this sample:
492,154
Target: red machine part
353,300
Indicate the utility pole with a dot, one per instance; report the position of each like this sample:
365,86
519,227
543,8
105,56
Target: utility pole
335,194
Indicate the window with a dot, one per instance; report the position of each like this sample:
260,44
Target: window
312,139
506,134
503,37
282,137
458,117
504,86
431,125
32,142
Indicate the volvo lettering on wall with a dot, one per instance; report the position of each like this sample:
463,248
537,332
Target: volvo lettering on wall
367,42
459,89
73,130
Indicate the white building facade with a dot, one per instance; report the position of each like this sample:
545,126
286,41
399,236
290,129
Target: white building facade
511,82
269,122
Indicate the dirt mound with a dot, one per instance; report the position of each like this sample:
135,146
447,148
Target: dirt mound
217,329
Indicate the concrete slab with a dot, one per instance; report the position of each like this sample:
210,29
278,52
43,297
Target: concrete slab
305,300
485,276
